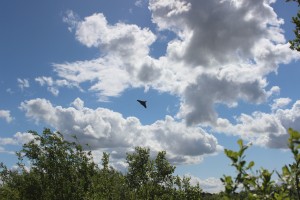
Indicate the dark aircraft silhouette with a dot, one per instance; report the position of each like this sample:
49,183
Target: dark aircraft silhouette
143,103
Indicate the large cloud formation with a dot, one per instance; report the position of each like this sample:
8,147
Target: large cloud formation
107,130
222,52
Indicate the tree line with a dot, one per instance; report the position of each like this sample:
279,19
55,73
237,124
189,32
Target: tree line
62,170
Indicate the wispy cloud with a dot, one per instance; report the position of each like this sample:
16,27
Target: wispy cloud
54,85
23,83
71,19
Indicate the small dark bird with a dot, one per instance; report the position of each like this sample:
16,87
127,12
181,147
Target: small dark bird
143,103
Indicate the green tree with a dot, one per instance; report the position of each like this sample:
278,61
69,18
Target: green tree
140,168
108,183
243,178
262,186
58,169
163,170
252,186
290,176
295,43
154,179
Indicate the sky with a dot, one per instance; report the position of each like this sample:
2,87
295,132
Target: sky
212,72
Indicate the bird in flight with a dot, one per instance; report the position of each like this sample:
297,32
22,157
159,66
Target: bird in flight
143,103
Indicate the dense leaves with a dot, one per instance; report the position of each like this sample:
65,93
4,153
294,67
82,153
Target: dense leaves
59,169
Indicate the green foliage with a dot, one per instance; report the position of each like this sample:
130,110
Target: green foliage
290,176
261,185
153,179
60,169
295,43
243,178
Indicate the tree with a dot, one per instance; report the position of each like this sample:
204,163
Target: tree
290,176
58,169
163,170
261,186
108,183
295,43
139,168
154,179
243,177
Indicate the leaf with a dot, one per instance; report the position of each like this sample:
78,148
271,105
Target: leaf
232,155
240,143
250,165
286,171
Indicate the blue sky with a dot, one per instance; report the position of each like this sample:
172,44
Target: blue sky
211,71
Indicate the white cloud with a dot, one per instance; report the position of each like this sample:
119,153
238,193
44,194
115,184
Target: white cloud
23,138
124,40
138,3
199,98
210,185
264,129
53,85
280,103
218,32
5,114
222,53
7,141
232,45
71,19
124,56
23,83
17,139
104,129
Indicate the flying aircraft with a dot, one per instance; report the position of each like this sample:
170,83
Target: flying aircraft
143,103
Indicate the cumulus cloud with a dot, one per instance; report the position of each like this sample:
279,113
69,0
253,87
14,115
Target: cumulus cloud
218,32
125,40
226,46
104,129
124,55
5,114
222,53
264,129
200,97
233,49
